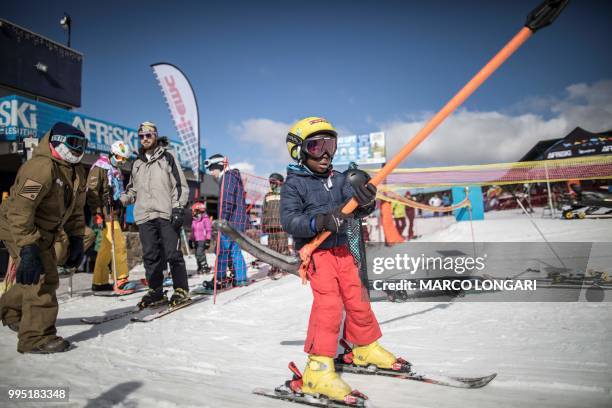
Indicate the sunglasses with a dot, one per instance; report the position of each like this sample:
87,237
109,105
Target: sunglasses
146,135
319,145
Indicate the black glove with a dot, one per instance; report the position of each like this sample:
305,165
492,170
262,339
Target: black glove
365,194
332,221
207,244
30,267
76,251
177,218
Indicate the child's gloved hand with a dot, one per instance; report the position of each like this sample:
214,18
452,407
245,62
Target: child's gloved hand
365,194
332,221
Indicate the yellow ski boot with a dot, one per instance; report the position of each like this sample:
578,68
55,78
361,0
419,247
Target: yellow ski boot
320,378
371,358
373,354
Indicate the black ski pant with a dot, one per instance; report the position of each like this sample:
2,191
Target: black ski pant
160,244
201,255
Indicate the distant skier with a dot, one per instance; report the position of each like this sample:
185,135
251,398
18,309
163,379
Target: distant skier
435,201
104,189
200,234
277,238
399,216
232,208
311,200
410,216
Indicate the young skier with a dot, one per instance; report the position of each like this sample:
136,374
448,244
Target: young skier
311,202
104,188
201,228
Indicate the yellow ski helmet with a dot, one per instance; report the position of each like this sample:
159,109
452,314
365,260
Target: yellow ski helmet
306,128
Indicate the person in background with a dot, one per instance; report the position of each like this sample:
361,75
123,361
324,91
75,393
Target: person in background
399,216
410,216
446,200
104,189
159,191
232,208
201,229
278,240
435,201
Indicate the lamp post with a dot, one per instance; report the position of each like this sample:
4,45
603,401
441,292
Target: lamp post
66,23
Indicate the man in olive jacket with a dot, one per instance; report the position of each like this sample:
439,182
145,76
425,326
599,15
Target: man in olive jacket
159,191
48,195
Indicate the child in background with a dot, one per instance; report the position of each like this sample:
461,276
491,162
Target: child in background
201,228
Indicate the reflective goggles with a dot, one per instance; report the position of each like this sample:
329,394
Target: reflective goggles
73,142
275,182
317,146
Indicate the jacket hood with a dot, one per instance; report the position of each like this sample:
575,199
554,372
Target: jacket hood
43,149
162,146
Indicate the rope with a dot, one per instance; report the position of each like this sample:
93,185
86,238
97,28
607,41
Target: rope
392,197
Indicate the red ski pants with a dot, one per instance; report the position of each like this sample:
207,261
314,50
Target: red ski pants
335,284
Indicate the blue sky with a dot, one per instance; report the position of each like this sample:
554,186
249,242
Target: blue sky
365,65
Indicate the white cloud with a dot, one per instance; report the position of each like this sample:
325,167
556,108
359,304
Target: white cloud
245,167
266,136
469,137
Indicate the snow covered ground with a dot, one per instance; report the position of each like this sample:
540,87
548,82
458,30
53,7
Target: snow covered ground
545,354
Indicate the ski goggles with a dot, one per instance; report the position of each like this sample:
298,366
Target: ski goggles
275,182
317,146
73,142
216,160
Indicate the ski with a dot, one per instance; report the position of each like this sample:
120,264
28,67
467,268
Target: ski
292,391
458,382
110,293
200,290
282,393
115,316
139,286
167,310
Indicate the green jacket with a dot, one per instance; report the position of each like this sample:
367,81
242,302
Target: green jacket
48,195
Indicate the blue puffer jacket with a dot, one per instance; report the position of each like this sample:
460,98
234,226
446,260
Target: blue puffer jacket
305,195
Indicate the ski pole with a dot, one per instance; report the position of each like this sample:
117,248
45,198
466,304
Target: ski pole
540,232
540,17
70,276
185,241
112,234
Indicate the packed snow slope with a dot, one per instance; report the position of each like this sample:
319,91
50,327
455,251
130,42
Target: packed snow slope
207,355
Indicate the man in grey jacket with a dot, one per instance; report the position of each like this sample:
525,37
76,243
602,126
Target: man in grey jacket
159,192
